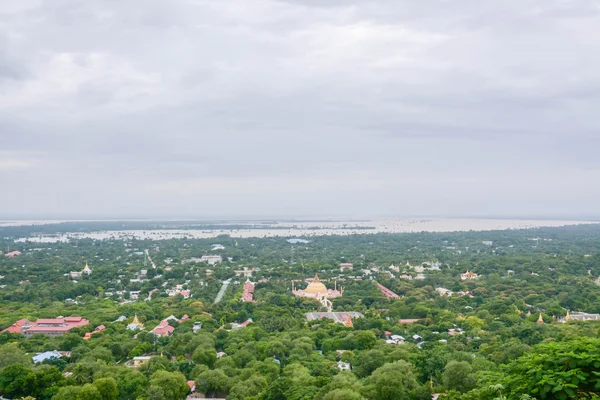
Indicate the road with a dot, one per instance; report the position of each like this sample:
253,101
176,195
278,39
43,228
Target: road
222,291
150,259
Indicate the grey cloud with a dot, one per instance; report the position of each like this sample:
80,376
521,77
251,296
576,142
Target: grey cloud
396,107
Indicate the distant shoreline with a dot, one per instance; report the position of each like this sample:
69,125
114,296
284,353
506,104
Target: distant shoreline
163,230
9,222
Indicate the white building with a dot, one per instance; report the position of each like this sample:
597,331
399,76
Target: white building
344,366
211,259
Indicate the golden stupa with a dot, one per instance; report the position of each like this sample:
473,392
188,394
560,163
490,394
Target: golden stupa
316,286
137,322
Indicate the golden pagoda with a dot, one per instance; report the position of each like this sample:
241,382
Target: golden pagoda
317,290
86,269
540,319
135,324
316,286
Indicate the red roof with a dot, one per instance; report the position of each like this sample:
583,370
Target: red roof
245,323
47,325
192,385
17,326
51,321
248,292
42,329
98,329
163,329
387,292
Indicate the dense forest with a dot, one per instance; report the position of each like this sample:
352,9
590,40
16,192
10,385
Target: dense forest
473,339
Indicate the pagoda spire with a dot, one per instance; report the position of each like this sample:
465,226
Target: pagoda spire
540,319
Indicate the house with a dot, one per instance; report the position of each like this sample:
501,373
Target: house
444,292
137,361
163,329
192,386
98,329
134,294
47,355
344,366
245,272
397,338
455,332
235,325
211,259
345,266
218,247
12,254
174,292
197,327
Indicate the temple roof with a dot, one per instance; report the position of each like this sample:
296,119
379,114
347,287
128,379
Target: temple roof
316,286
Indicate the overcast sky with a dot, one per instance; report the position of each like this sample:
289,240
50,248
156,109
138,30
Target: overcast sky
149,108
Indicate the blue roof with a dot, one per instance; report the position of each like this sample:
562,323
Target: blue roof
40,357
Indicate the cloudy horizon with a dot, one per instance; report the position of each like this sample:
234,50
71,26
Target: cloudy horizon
248,108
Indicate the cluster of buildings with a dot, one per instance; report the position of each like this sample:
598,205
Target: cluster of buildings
178,289
579,316
46,326
209,259
394,339
344,318
448,293
418,277
346,266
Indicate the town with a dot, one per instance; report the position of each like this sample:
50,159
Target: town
291,317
